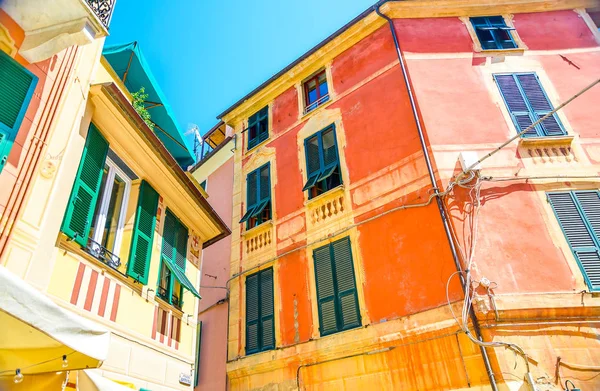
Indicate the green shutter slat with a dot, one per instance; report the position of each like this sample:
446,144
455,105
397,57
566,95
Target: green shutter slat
313,160
260,123
260,320
346,285
265,183
325,290
181,246
267,310
330,155
15,83
540,104
84,195
169,235
17,86
143,233
252,314
577,214
252,189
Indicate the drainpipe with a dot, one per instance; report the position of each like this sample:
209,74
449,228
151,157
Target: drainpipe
443,215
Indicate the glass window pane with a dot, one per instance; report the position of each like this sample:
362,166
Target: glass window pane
112,215
312,96
323,90
323,78
99,202
496,21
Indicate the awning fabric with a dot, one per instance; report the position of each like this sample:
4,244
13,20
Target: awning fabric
36,332
182,278
130,65
90,380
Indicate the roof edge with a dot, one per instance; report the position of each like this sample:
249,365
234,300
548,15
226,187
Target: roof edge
276,76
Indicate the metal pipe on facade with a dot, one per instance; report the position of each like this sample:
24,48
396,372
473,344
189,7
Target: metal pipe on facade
436,190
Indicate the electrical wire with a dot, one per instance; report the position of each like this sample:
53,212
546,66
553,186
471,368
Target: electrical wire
12,371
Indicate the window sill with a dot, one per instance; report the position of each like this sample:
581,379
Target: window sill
69,245
336,191
257,146
304,116
562,141
165,305
499,52
267,225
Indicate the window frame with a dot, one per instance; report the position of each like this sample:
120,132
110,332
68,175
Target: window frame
323,169
321,100
540,131
256,119
492,27
104,199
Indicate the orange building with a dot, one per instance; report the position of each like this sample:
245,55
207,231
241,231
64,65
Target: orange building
356,234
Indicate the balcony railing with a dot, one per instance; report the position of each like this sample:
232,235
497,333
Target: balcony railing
103,9
102,254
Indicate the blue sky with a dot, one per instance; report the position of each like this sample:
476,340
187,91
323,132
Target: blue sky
206,54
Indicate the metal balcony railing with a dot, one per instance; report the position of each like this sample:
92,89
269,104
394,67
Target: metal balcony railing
103,9
102,254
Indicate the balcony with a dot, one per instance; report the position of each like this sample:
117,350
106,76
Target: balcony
52,26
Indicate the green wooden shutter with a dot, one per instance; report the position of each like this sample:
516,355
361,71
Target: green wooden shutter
267,320
181,245
17,85
540,104
143,233
313,161
169,237
198,352
252,314
347,297
579,216
325,290
251,195
80,210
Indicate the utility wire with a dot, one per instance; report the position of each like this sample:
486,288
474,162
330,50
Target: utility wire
533,125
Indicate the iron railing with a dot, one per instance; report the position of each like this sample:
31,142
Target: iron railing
103,9
316,104
102,254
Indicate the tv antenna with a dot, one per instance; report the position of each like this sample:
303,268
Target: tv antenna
193,129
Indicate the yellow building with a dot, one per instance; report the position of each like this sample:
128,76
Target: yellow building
105,222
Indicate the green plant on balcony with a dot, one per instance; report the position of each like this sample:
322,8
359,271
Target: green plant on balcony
139,99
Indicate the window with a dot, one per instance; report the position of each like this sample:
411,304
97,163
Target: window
578,213
336,287
258,127
258,197
106,231
316,91
172,279
493,33
16,89
527,102
322,163
260,323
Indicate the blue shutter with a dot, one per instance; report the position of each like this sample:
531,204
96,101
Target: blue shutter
517,107
527,102
258,127
540,104
17,85
578,214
